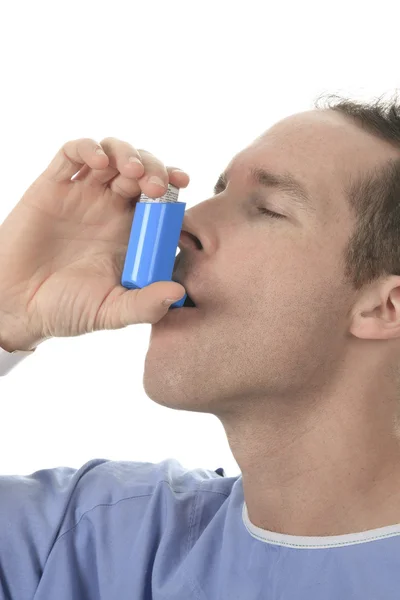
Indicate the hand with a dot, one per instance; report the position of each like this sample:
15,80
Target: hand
62,248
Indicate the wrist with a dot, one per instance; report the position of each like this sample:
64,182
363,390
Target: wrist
14,347
13,344
17,334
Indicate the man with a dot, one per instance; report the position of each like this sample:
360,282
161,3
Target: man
294,349
294,345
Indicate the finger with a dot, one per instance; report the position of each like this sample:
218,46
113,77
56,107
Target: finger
178,177
132,188
146,306
71,157
129,307
130,172
123,157
153,182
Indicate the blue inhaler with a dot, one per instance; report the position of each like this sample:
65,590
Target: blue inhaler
151,253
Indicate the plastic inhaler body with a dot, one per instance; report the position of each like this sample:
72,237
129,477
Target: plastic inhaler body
153,241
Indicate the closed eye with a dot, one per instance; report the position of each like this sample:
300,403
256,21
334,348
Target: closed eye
269,213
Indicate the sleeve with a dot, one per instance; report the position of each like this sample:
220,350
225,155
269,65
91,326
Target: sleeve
32,511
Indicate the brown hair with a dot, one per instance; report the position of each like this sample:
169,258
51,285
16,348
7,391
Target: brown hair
373,249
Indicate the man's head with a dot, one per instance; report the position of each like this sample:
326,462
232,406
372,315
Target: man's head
291,307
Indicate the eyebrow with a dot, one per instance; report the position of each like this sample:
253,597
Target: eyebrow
286,183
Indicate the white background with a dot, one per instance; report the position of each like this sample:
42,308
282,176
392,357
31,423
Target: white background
192,82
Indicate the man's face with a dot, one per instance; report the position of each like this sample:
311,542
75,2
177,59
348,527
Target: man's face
273,313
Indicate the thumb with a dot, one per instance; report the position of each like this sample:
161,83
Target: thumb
143,305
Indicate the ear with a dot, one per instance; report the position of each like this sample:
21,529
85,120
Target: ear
376,315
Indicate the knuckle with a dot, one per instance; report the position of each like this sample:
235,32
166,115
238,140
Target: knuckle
108,140
149,155
86,142
144,154
116,145
152,161
70,150
109,143
78,145
65,147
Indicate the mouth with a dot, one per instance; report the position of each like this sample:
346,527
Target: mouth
189,302
179,319
181,316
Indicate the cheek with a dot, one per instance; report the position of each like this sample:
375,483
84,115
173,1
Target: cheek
264,273
275,295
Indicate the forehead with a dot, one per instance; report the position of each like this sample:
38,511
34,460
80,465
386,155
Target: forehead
322,149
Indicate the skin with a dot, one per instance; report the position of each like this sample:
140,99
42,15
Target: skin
295,363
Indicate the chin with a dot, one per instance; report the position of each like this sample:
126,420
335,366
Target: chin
173,385
163,381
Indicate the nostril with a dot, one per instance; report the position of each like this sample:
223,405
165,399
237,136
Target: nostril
186,239
198,243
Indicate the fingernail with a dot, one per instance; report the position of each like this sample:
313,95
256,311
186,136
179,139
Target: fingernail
157,181
179,171
101,152
169,301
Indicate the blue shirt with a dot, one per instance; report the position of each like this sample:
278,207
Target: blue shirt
141,531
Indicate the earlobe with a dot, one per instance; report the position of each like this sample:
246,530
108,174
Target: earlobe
363,326
380,323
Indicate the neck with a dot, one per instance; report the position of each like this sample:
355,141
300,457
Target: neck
322,468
